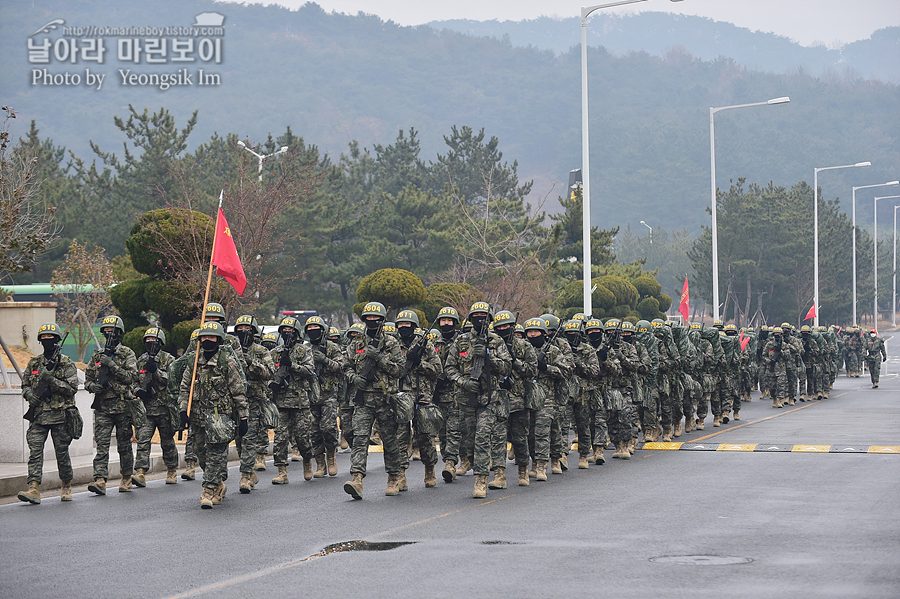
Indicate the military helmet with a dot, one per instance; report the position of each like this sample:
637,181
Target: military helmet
592,324
612,324
657,323
50,328
315,320
696,326
215,310
805,329
194,334
433,334
289,321
718,324
552,321
408,316
247,319
627,327
357,327
520,328
670,323
821,328
334,333
156,332
270,338
573,326
448,312
213,329
481,307
579,316
390,328
730,329
777,331
536,324
504,317
113,321
643,325
764,327
374,309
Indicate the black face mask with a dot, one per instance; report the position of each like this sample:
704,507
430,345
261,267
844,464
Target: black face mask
268,344
209,346
478,324
504,333
152,347
595,337
628,338
574,340
112,338
536,342
245,337
406,333
447,330
289,337
315,335
50,346
373,326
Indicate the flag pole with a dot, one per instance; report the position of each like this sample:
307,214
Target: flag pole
203,313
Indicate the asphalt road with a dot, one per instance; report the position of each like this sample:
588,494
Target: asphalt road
665,523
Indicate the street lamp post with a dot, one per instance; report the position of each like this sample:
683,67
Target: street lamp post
651,231
712,179
854,237
816,232
262,157
894,296
875,259
586,11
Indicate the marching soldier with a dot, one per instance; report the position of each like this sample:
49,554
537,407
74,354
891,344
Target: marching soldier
875,353
587,369
325,438
162,415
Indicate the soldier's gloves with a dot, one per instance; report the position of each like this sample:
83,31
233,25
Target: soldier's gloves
151,366
52,364
616,342
479,349
243,427
506,384
142,394
185,419
358,382
542,363
107,361
285,358
603,354
319,356
414,356
46,376
470,386
28,394
94,388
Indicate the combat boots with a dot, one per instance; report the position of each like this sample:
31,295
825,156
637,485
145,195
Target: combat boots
583,462
430,479
717,420
331,461
260,462
666,435
803,397
32,495
307,469
402,483
737,415
125,485
254,479
540,469
555,466
206,498
480,490
354,485
282,478
700,424
523,476
511,455
499,481
689,424
65,493
393,485
218,494
171,476
98,486
449,471
598,458
621,451
320,467
190,470
677,430
139,478
464,466
564,462
632,446
245,486
295,455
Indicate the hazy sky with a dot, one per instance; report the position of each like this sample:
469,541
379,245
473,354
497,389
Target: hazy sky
804,21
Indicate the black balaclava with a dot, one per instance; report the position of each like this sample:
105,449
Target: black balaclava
315,335
406,333
289,336
50,346
112,338
595,336
479,322
152,346
245,337
536,342
209,347
447,330
373,326
574,339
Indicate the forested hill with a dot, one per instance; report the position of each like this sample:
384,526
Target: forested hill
656,32
337,78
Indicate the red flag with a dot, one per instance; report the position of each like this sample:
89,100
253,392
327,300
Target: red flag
745,339
811,313
225,257
684,307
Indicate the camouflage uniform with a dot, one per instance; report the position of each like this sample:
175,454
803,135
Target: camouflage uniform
523,366
259,368
545,438
293,399
875,353
619,405
173,390
49,414
668,373
111,409
328,360
162,414
445,399
420,373
648,399
586,371
775,360
810,355
637,383
683,405
707,375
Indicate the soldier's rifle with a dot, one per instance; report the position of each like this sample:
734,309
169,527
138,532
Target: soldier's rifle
146,391
42,389
368,371
481,365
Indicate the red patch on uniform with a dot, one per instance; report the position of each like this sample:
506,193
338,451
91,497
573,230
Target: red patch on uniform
97,364
463,353
437,349
142,372
35,372
277,364
360,351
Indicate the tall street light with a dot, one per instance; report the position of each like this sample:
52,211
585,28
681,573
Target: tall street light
816,233
875,259
894,297
586,11
262,157
712,169
854,237
651,231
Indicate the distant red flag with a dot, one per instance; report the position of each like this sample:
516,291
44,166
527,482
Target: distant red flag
225,257
811,313
684,306
745,339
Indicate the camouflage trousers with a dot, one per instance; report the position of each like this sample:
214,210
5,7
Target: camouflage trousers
448,435
545,438
518,427
852,360
256,441
424,443
323,427
792,379
582,417
103,427
294,425
346,412
567,420
364,417
189,454
213,458
162,423
874,368
702,406
672,407
490,438
599,430
622,419
779,384
36,438
459,439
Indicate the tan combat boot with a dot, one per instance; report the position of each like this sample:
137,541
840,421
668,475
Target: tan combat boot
245,486
254,479
125,485
171,476
307,469
532,472
464,466
449,471
331,461
540,469
139,478
626,455
689,424
65,493
354,485
523,476
775,403
583,462
737,415
598,458
260,462
499,481
677,429
393,485
632,446
320,467
32,495
555,466
219,494
717,420
620,450
480,490
564,462
511,455
666,435
190,470
430,479
700,424
402,483
415,456
295,455
98,486
206,499
282,478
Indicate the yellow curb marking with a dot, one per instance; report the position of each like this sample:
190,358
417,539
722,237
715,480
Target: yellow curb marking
663,446
811,449
884,449
736,447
